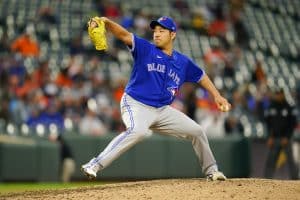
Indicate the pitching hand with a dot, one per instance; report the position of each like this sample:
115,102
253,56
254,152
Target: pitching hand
222,103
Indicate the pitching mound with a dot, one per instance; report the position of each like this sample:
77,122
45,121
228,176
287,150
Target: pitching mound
175,189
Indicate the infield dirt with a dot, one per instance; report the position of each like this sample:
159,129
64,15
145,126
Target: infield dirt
180,189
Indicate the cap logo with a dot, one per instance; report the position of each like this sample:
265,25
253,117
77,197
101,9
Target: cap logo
162,18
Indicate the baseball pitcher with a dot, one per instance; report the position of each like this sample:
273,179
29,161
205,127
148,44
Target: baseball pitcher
157,74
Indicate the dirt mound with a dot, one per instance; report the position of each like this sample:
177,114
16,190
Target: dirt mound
175,189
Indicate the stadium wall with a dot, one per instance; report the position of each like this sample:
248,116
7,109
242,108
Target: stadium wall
36,159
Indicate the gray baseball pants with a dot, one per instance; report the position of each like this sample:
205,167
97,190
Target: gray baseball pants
141,120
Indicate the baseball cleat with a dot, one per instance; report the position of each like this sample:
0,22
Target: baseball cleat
90,169
88,172
216,176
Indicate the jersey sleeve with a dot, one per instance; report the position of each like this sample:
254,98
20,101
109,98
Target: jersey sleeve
193,73
140,47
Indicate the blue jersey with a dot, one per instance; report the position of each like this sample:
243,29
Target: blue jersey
156,77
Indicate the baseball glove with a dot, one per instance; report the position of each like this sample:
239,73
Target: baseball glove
96,30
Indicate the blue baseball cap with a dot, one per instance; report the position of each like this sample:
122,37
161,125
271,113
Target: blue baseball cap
164,21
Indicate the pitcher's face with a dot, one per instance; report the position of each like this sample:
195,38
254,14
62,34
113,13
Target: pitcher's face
162,37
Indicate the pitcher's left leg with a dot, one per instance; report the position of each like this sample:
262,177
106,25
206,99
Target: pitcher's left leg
176,123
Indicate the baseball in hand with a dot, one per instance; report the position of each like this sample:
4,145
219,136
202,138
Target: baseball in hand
225,108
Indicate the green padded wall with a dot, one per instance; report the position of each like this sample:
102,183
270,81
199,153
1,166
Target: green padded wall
48,162
18,162
181,159
156,157
28,159
233,155
163,157
150,158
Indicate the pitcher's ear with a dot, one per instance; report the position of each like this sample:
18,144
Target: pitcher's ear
173,35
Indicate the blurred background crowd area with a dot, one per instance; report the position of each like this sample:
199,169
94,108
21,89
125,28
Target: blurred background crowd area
53,81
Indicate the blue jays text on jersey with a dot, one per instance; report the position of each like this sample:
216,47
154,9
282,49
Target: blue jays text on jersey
156,67
156,77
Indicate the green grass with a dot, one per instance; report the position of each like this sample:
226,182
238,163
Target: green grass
6,188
